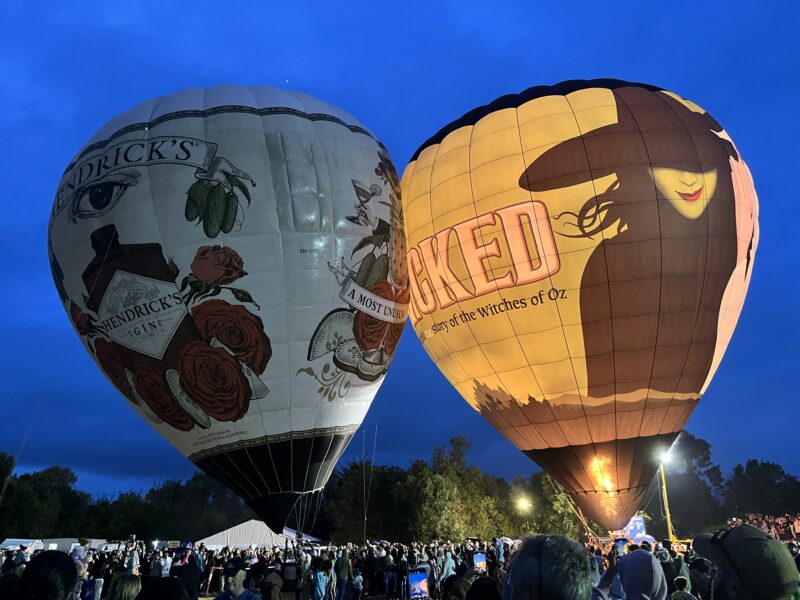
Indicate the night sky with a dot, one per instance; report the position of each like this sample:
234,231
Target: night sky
404,69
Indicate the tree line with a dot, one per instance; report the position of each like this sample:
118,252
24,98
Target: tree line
444,498
47,504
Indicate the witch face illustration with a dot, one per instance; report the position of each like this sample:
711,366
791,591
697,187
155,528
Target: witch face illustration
653,218
652,288
688,192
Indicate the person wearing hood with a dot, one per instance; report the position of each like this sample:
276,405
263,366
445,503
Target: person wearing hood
449,566
673,567
750,564
681,583
440,559
640,576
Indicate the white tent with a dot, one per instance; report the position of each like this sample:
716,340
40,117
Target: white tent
14,543
245,535
63,544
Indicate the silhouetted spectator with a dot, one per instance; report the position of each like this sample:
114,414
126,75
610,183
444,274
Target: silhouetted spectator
49,575
550,568
165,588
750,564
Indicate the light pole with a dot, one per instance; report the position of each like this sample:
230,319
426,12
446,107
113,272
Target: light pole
665,458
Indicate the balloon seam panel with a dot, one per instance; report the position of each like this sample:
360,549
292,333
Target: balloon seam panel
261,112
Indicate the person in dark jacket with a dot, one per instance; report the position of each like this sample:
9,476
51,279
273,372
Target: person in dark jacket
343,569
700,573
49,574
483,588
164,588
191,574
267,581
750,564
672,567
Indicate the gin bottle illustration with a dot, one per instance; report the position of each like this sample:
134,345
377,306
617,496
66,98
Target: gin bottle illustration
141,311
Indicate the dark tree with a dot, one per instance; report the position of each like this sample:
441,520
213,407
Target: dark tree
761,487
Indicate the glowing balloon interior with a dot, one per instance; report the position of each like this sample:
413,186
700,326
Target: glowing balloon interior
233,260
578,258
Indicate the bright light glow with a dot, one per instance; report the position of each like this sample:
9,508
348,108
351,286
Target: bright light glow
602,479
666,457
155,543
524,504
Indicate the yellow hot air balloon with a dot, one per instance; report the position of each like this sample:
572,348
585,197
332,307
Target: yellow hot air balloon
578,258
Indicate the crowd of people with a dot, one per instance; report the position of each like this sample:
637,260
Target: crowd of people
743,562
784,527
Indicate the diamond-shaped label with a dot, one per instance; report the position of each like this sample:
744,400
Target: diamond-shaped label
141,313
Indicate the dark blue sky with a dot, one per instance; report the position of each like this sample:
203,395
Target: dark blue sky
404,69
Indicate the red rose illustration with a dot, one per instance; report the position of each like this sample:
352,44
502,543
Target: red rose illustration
237,329
110,361
396,329
217,265
368,330
213,379
79,318
153,390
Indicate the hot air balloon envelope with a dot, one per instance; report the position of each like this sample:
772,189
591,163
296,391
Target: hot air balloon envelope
233,260
578,256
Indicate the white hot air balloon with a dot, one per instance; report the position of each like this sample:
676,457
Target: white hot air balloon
233,260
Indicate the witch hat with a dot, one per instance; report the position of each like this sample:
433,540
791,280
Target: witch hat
653,128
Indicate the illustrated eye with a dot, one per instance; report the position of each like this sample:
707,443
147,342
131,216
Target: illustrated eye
101,194
98,198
